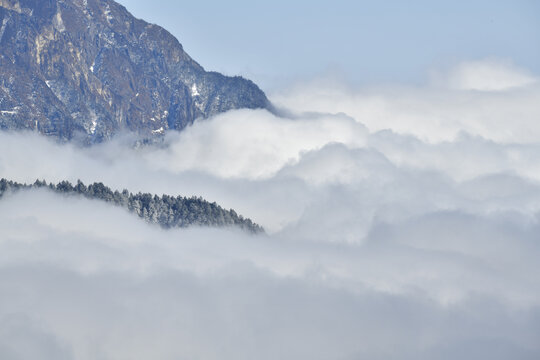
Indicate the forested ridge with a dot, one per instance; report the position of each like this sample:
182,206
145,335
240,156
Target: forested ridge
167,211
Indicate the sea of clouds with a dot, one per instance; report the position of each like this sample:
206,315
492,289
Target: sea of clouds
401,223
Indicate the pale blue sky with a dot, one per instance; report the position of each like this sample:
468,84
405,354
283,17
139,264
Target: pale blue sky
279,41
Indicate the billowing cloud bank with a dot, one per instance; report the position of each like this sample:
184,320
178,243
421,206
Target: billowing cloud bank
402,224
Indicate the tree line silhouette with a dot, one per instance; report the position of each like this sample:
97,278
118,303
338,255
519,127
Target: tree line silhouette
166,211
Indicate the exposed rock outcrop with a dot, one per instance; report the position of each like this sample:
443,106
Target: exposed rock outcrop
88,68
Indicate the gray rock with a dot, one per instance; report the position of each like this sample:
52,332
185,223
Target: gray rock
88,69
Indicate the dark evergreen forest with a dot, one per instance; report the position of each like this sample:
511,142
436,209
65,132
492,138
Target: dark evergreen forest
166,211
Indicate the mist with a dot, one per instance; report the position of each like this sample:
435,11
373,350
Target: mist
401,223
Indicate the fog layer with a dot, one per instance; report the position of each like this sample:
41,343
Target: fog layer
402,224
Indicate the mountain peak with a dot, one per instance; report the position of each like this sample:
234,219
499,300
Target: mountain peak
89,68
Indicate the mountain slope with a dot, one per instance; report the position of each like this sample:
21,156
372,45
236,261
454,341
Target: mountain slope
88,68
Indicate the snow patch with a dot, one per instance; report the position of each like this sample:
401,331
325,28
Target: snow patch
108,38
9,112
194,90
58,22
3,28
161,130
93,123
107,13
93,127
85,8
15,7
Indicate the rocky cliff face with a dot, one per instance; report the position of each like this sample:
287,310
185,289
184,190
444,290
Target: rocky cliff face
88,68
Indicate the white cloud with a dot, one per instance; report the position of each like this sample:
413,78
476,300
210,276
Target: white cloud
486,75
125,289
433,113
404,227
254,144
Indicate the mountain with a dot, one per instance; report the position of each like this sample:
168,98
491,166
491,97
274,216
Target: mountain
89,69
166,211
